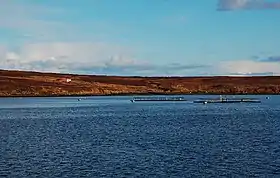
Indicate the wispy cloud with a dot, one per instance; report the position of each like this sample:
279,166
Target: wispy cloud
225,5
34,22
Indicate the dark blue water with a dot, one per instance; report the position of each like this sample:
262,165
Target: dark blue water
111,137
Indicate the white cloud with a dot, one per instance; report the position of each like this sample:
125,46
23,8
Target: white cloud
85,58
248,67
67,57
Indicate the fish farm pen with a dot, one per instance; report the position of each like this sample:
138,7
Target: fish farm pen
221,99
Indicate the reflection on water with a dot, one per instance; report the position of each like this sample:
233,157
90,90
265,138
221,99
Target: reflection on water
112,137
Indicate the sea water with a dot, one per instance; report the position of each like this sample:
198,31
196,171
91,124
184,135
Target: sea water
112,137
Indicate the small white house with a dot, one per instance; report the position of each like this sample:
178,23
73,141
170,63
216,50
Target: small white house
68,80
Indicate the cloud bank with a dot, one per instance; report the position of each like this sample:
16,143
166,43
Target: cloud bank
249,67
105,59
225,5
84,58
65,57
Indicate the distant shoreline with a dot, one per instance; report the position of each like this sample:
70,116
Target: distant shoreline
36,84
134,95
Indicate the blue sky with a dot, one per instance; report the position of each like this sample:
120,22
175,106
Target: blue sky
141,37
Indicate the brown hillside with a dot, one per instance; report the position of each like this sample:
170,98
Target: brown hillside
19,83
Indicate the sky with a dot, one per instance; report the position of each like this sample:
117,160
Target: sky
141,37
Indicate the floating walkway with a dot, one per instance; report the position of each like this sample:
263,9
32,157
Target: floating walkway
226,100
137,99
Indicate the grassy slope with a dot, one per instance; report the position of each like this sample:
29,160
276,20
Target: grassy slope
19,83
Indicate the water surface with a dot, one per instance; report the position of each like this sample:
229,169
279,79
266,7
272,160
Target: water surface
112,137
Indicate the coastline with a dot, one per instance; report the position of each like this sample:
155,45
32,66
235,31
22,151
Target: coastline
36,84
137,94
